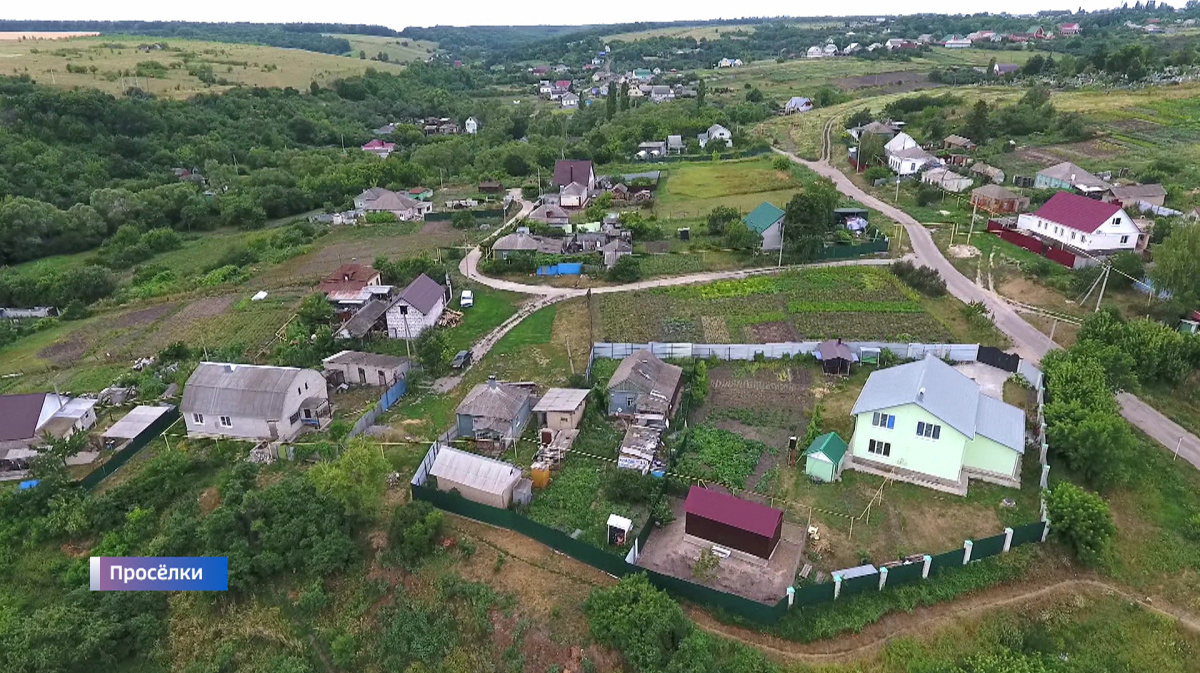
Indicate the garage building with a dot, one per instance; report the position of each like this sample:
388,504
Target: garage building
732,522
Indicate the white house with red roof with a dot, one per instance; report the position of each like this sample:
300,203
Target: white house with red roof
379,148
1069,29
1082,224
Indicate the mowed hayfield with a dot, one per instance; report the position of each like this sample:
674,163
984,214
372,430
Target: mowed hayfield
692,189
683,32
165,72
398,49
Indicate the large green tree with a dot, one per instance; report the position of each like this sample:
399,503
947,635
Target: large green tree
1177,264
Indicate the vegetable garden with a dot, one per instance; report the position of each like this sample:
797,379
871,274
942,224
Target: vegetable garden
859,303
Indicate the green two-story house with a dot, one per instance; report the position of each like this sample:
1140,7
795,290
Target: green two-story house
927,423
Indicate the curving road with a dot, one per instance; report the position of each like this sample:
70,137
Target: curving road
1028,341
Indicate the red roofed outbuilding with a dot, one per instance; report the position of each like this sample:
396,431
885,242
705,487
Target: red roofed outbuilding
731,522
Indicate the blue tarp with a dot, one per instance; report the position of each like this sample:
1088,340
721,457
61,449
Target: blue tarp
27,484
561,269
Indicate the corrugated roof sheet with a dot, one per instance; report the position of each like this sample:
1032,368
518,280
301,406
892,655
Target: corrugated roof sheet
133,423
561,399
1138,192
365,318
994,192
378,360
478,472
567,171
731,511
252,391
1069,172
646,373
19,415
1077,212
761,218
493,399
949,395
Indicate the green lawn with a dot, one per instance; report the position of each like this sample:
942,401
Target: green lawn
491,309
692,189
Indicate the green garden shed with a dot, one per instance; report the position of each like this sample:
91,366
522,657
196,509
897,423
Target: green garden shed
823,458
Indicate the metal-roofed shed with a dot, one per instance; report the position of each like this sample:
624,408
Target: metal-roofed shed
478,478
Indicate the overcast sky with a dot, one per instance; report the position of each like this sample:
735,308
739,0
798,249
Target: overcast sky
489,12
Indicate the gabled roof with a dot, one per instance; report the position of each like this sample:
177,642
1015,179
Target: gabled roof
761,218
361,322
348,277
567,171
1138,192
249,391
423,294
646,373
547,212
947,394
830,444
959,141
19,416
378,360
715,129
994,192
1077,212
834,349
1069,172
731,511
574,189
477,472
391,201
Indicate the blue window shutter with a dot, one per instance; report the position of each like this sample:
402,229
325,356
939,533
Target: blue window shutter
891,422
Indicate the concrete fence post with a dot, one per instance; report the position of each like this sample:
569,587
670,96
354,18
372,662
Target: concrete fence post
1045,475
882,578
837,586
791,594
1045,448
967,545
1008,533
925,568
1046,530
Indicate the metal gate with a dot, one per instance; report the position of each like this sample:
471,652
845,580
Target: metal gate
999,359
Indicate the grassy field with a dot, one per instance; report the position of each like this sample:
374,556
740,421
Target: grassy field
116,61
856,303
682,32
398,49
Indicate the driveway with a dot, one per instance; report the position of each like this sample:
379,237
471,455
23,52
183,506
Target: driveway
990,379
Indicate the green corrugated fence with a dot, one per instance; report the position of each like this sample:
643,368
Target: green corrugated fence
122,455
447,215
988,546
905,573
814,594
1030,532
858,585
948,559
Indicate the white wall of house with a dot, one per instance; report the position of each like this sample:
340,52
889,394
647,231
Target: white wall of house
773,236
901,141
366,375
905,165
232,423
1117,233
417,322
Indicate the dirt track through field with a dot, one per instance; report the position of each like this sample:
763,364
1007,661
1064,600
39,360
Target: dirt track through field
845,648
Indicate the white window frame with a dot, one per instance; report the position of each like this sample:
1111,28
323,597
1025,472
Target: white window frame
225,422
884,421
929,430
879,448
198,419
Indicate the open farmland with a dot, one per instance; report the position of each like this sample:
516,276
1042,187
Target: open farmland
114,64
854,303
683,32
398,49
692,189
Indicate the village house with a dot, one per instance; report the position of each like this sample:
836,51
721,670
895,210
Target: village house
471,126
946,179
1080,224
767,221
644,385
1069,176
574,195
569,100
26,419
353,285
987,172
885,130
957,43
420,193
476,478
814,52
651,149
908,160
675,145
929,424
365,369
1155,195
522,242
1002,69
379,148
494,414
417,308
253,402
614,250
1069,29
378,199
551,214
567,171
997,200
797,104
957,142
716,134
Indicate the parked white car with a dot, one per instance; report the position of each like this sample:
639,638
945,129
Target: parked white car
467,300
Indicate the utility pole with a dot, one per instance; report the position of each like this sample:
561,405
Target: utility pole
897,201
972,229
1107,270
780,264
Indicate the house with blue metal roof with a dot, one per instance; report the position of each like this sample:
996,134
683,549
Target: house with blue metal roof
927,423
767,221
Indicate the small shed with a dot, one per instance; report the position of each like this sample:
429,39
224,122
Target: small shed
561,408
835,356
823,458
618,530
732,522
479,479
134,423
368,369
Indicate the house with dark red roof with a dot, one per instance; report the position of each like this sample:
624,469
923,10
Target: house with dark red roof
567,171
1084,225
379,148
731,522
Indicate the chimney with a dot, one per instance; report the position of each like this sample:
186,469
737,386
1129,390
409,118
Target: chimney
492,382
